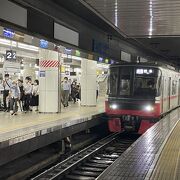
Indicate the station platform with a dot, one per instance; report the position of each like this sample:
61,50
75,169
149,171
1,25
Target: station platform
27,132
155,155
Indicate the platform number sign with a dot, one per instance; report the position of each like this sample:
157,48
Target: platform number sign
10,55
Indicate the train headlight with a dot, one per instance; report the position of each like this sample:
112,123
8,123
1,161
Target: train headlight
113,106
149,108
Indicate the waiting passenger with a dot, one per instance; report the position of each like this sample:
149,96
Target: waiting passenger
21,88
78,92
35,95
74,91
27,94
65,91
14,94
7,83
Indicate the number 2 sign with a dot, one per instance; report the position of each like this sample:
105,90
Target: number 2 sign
10,55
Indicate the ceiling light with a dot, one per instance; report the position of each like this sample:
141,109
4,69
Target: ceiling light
73,57
28,47
77,58
8,42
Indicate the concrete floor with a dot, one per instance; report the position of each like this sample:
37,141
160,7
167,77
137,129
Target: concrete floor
14,126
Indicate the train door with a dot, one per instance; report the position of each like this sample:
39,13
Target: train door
179,93
169,94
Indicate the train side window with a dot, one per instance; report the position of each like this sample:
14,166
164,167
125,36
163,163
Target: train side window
125,79
159,86
174,87
113,81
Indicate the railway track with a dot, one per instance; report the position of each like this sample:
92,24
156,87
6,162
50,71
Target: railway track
90,162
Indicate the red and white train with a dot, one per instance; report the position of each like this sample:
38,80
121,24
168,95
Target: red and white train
139,94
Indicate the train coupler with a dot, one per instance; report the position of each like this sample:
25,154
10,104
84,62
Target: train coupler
130,123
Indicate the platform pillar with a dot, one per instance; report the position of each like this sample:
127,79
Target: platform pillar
88,82
48,81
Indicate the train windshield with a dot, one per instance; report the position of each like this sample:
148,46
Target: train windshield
146,82
145,87
125,75
113,81
134,82
120,81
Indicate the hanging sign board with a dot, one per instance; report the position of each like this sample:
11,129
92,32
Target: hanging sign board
11,67
10,55
9,33
43,43
68,59
42,73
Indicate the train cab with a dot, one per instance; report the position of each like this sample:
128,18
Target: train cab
134,97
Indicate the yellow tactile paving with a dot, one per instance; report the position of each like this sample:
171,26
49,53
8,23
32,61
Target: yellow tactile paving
168,165
10,123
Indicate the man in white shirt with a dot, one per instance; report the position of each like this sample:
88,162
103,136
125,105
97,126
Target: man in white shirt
7,83
66,87
14,97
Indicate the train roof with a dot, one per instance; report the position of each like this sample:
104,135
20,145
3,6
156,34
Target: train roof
134,64
145,64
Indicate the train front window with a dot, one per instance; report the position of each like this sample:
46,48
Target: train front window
129,81
146,83
145,87
125,81
113,81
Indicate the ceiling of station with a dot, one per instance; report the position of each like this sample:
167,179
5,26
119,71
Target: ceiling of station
153,23
138,18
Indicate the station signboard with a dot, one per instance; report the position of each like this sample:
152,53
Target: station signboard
68,59
100,59
77,53
43,43
10,55
112,61
42,73
9,33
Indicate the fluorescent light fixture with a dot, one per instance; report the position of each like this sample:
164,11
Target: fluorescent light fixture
105,66
13,43
73,57
64,55
28,47
116,13
77,58
26,56
7,42
151,19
